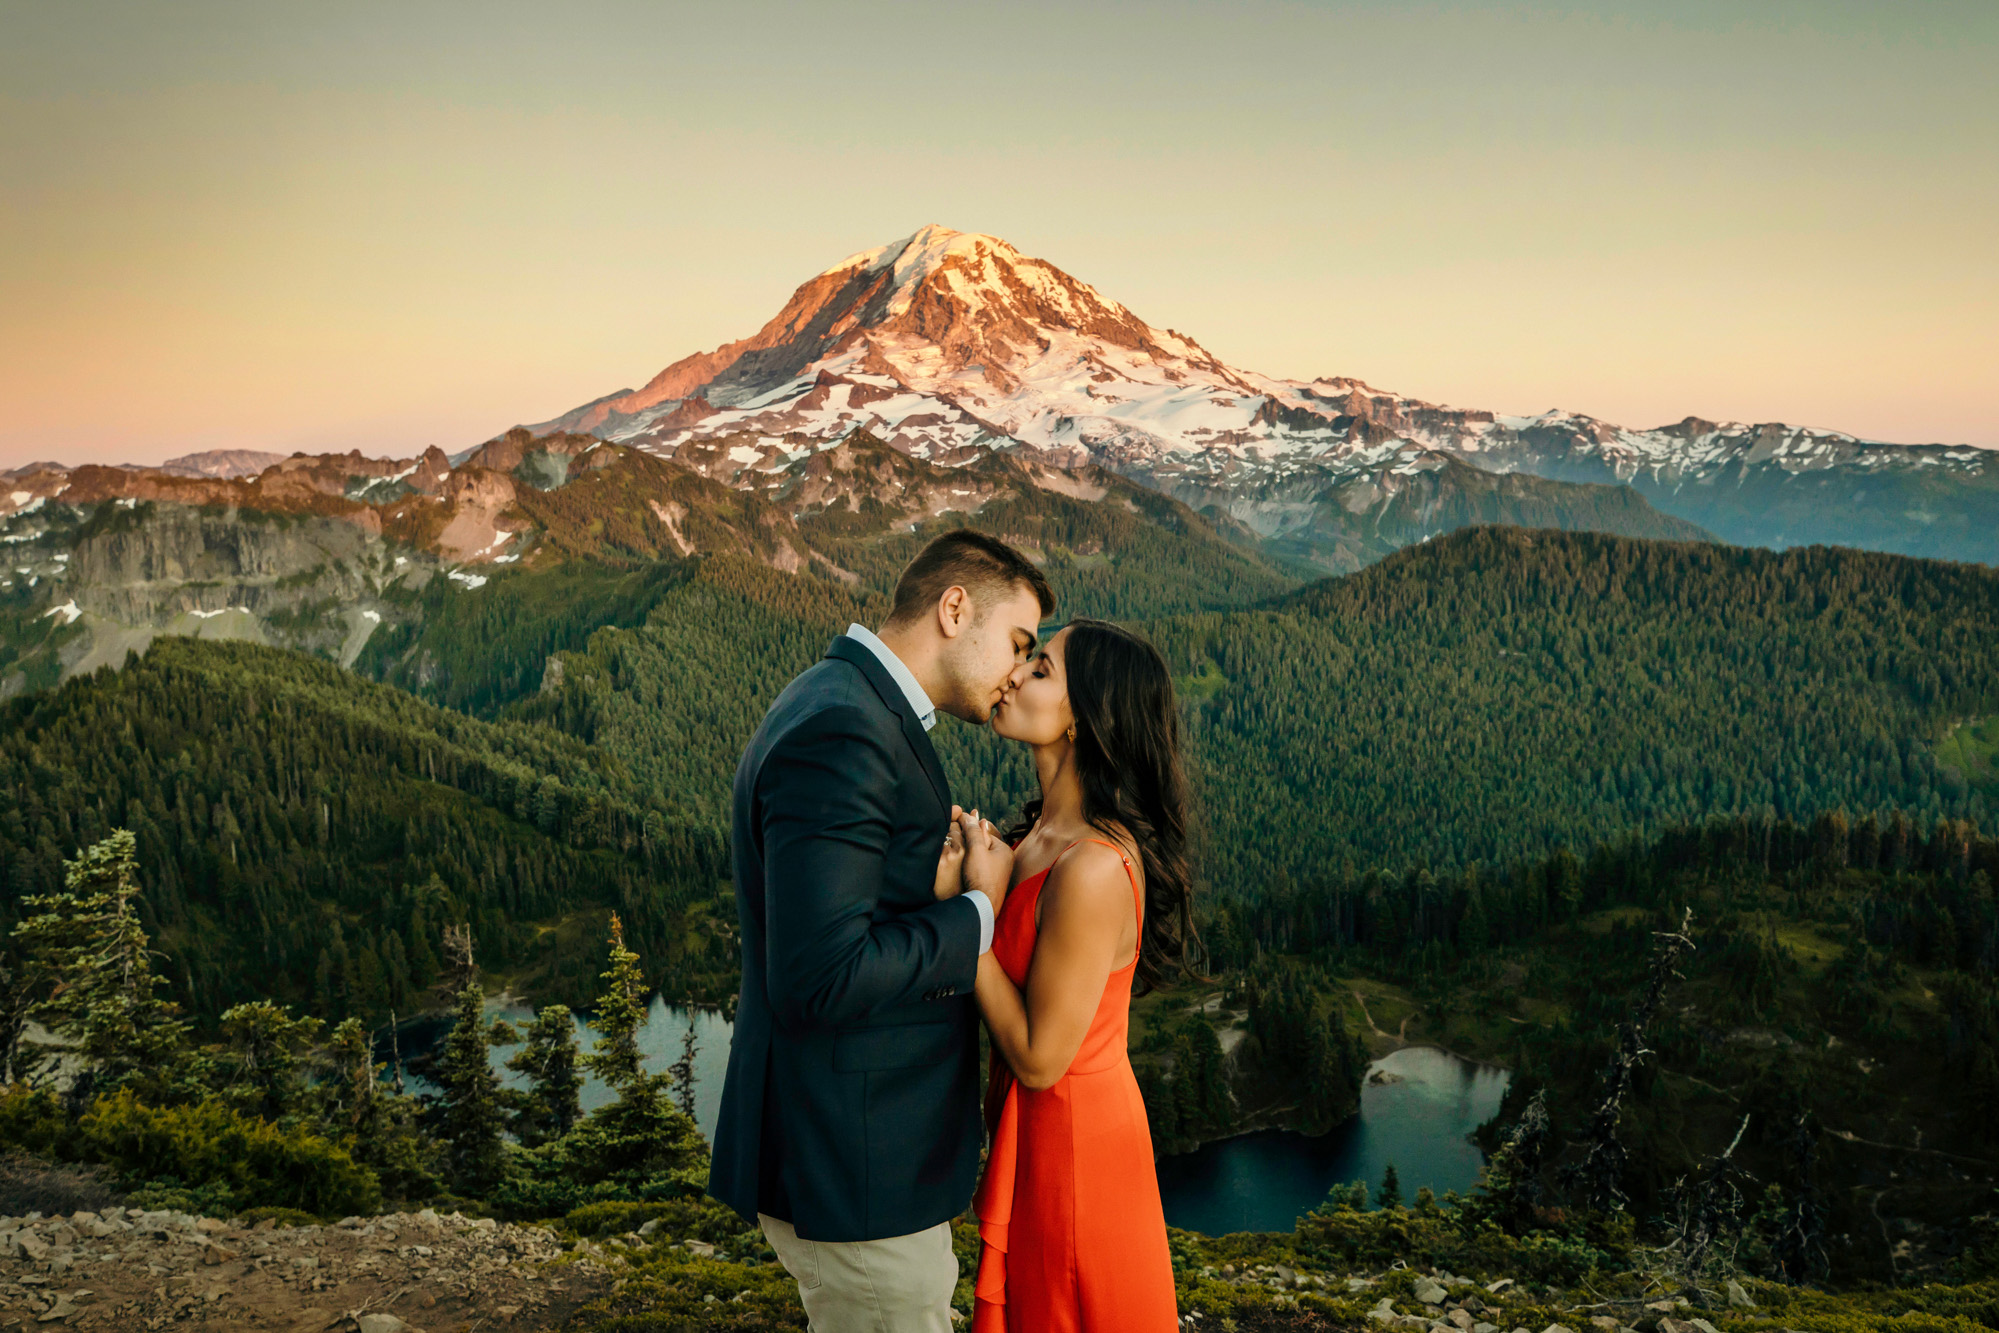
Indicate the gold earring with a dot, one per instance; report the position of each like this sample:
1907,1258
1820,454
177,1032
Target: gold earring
1072,731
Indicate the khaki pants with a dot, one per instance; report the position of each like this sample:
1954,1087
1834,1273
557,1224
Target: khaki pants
902,1284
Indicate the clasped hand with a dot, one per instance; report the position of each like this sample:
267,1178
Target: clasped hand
974,857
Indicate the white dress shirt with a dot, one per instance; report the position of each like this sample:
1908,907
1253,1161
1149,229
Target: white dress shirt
926,713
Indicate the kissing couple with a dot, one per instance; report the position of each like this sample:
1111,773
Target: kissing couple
881,923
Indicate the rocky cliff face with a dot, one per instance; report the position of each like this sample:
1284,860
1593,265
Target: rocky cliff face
115,575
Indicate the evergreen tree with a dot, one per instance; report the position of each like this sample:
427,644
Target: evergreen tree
1391,1189
378,1125
266,1047
349,1092
620,1013
88,947
683,1070
470,1118
1599,1176
1510,1187
550,1107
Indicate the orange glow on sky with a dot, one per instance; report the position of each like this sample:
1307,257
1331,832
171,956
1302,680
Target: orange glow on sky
381,226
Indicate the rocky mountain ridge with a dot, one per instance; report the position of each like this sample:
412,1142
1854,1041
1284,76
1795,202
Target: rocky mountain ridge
316,552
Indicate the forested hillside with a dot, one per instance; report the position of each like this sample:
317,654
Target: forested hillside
1500,691
305,835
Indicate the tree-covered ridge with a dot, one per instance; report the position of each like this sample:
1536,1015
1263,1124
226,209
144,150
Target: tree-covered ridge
304,833
1501,691
678,697
477,653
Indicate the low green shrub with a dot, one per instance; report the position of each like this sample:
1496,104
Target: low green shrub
31,1120
215,1199
1448,1238
1930,1308
209,1144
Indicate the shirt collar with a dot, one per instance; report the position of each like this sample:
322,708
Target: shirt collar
919,702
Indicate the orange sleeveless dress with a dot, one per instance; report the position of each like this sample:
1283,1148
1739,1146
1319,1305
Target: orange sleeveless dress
1073,1238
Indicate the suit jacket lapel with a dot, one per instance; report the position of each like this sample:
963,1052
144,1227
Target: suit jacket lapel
848,650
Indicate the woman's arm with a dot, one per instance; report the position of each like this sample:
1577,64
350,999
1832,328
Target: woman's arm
1086,907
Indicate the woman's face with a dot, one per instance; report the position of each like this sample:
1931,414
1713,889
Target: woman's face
1036,712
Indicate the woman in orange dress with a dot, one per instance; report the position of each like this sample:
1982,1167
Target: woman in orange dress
1069,1216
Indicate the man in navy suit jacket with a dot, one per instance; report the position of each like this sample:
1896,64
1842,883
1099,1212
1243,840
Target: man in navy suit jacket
849,1124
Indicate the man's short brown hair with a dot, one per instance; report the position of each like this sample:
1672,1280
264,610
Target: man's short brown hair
979,564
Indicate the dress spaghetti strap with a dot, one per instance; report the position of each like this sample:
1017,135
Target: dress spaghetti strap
1130,873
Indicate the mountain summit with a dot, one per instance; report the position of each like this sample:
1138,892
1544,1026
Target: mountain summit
949,344
976,342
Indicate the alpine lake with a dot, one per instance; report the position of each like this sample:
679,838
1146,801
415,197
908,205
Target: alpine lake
1418,1107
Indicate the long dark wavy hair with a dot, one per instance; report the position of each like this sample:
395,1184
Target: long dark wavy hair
1128,759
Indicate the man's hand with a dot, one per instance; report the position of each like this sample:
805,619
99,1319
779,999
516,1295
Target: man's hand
951,861
988,864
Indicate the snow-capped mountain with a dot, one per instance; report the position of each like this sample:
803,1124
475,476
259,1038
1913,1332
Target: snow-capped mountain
949,344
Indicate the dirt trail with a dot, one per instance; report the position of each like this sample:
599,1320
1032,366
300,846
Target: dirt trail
1401,1034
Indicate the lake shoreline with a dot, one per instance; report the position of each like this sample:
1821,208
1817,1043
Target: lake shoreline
1420,1119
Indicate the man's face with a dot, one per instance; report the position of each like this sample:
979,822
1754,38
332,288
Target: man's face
991,655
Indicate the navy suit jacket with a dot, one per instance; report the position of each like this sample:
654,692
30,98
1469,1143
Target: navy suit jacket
851,1108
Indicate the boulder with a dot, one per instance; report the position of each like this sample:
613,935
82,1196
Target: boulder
1739,1298
1429,1292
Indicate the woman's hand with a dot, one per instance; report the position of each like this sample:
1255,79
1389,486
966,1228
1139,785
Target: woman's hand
951,861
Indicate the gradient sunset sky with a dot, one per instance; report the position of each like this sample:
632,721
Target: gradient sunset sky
285,226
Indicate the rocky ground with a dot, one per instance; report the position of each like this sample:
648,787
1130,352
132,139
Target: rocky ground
126,1269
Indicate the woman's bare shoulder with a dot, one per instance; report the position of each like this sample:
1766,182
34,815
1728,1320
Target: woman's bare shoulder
1090,871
